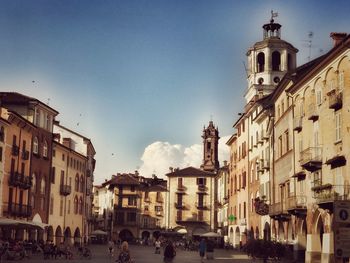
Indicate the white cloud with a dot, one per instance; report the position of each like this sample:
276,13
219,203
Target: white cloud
159,156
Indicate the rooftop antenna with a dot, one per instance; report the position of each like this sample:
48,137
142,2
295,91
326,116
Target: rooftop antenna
310,36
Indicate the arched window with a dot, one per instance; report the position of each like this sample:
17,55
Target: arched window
276,61
45,149
35,145
82,184
81,205
34,183
77,183
261,62
76,205
43,185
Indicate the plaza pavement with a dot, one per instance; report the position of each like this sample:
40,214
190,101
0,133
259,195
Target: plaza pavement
145,254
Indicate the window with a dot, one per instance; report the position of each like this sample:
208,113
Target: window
63,157
82,184
244,210
201,181
179,182
76,205
61,206
337,126
2,134
132,188
76,188
341,80
276,61
35,145
0,154
261,62
51,205
43,185
48,122
37,117
286,133
34,183
339,181
53,174
319,97
45,149
244,179
132,201
81,206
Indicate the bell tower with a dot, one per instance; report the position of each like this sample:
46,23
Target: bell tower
268,61
210,148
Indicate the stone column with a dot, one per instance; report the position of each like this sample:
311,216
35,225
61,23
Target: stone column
299,247
327,248
313,248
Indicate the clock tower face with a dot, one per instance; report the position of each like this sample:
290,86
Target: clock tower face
210,148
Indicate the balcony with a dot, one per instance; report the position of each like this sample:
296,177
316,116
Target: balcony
312,113
326,194
65,189
25,155
296,205
15,150
20,180
179,206
266,164
202,188
311,159
277,211
19,210
242,222
181,188
298,124
201,205
159,213
335,99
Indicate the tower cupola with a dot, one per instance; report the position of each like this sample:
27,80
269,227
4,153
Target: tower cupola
268,61
210,148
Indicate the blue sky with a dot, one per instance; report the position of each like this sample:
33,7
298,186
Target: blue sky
137,75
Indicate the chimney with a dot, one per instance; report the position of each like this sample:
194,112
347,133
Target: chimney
225,163
337,37
171,169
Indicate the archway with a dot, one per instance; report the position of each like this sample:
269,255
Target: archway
231,237
77,237
251,234
281,236
237,237
39,233
50,233
67,236
320,229
267,231
126,235
58,235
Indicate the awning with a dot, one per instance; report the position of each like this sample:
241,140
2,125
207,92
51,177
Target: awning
21,223
99,232
336,161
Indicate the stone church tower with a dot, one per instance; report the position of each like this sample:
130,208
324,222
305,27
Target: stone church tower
210,148
268,61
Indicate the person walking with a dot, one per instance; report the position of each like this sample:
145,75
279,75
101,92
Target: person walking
110,248
157,245
169,252
202,248
124,255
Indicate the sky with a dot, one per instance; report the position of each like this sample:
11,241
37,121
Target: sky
141,78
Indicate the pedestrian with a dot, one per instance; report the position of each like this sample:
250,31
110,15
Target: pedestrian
110,247
202,248
157,245
169,252
124,255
